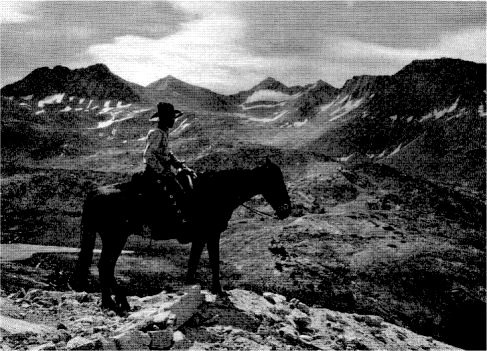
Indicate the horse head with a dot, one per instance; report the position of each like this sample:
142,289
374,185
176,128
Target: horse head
273,188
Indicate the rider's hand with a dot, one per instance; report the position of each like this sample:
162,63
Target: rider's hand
189,170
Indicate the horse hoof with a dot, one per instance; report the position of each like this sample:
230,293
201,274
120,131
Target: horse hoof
219,292
76,285
123,310
109,307
107,303
123,313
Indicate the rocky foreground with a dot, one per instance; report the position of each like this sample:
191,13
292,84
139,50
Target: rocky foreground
193,320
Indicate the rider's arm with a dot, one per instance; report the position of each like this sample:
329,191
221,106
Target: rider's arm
175,161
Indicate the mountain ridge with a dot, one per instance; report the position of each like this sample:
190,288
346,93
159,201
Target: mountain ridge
96,80
372,118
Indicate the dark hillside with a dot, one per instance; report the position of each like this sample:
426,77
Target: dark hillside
93,81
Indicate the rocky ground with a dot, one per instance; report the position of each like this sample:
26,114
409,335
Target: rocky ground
193,320
361,240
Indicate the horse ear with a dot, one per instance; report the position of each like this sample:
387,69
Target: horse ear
268,161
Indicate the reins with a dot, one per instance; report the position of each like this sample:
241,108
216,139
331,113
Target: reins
259,212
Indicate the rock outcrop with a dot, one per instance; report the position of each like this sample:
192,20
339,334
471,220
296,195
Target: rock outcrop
194,320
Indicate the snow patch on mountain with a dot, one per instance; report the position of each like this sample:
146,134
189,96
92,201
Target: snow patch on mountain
66,109
121,105
346,158
268,120
113,117
348,107
300,124
263,106
184,124
441,113
268,95
396,150
426,117
460,113
106,107
382,154
324,108
56,98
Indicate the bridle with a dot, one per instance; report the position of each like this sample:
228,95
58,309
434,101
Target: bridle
280,208
259,212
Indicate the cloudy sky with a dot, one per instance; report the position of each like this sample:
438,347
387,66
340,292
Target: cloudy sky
231,46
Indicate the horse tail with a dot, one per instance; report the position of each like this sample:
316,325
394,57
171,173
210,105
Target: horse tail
79,279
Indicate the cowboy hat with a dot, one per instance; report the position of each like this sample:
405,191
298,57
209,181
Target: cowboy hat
166,110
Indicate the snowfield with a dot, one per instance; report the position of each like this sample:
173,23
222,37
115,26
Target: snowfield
268,95
53,99
268,120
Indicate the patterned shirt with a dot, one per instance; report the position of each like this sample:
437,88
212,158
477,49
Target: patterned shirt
157,153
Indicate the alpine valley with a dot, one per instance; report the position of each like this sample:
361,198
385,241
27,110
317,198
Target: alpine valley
386,176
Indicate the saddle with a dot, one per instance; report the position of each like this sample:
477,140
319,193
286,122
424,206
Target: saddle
164,203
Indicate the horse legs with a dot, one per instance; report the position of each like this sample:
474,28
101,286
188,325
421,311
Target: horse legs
194,258
111,250
214,254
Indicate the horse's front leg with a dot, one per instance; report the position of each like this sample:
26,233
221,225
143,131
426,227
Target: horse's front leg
214,254
194,259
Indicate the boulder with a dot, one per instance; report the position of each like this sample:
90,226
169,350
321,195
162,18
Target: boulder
166,309
44,347
289,333
301,319
161,339
274,298
80,343
132,340
15,326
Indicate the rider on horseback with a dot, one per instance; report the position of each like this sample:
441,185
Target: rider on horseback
160,178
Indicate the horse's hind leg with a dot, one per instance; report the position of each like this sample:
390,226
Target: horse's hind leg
194,258
111,250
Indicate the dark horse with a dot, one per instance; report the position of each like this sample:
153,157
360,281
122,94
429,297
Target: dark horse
114,214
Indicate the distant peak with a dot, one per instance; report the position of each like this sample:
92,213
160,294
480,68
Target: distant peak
99,67
322,83
168,81
169,78
270,80
270,84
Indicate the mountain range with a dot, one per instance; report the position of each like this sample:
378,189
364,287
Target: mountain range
428,119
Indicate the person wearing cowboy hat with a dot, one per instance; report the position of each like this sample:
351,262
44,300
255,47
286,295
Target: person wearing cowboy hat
157,154
159,163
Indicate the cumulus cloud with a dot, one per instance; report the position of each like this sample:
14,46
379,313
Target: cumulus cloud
231,46
14,12
204,52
